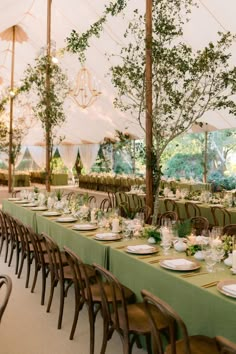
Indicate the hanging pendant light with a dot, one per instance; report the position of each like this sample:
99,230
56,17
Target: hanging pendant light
86,90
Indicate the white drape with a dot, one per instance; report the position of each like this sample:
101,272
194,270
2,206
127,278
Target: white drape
68,154
20,156
88,154
38,154
4,157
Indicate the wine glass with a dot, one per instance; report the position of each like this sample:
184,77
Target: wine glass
210,259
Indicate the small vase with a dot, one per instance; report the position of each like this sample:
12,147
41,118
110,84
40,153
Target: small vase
180,245
229,260
151,240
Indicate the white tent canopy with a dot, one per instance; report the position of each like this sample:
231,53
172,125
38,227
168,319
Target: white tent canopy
101,119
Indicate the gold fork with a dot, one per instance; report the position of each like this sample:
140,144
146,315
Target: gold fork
209,285
189,275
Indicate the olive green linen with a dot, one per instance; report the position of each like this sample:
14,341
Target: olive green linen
205,311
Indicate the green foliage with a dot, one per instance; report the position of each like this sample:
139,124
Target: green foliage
191,166
127,211
183,228
220,181
79,43
152,232
49,107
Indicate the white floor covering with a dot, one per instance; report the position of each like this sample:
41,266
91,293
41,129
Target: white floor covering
26,328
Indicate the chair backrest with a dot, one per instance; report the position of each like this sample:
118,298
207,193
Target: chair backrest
221,216
81,279
225,346
5,282
174,324
105,204
112,198
172,215
229,230
199,223
171,205
192,210
91,200
116,300
54,257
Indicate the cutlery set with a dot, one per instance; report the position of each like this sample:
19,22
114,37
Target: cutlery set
189,275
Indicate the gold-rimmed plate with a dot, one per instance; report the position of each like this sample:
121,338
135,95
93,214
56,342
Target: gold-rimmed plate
107,236
84,227
51,213
227,287
141,249
66,219
179,264
15,199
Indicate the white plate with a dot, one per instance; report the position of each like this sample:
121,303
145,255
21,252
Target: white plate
66,219
21,201
179,264
107,236
14,199
40,208
222,287
141,249
29,205
84,227
51,213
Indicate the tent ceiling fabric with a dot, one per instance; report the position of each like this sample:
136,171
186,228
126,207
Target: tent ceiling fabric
101,119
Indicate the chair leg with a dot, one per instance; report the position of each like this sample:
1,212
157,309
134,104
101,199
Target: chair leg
78,307
92,329
21,264
29,262
53,284
36,270
106,336
44,277
62,301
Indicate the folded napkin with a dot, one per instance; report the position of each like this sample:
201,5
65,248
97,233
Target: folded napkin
140,248
175,263
105,236
230,289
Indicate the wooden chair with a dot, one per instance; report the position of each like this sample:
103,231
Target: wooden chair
88,292
26,249
229,230
5,282
91,200
199,223
172,215
171,205
196,344
60,273
221,216
105,205
129,320
12,240
192,210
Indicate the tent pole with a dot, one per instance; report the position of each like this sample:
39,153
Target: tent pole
48,123
149,169
10,157
205,158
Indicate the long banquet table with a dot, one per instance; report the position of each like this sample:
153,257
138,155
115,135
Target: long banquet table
204,311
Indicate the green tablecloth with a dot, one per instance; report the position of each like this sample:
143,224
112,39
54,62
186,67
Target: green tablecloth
25,215
84,245
204,311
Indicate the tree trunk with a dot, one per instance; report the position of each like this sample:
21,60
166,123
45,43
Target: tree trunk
156,201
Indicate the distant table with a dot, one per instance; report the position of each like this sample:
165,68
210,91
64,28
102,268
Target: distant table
191,186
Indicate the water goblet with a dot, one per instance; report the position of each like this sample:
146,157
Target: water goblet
210,260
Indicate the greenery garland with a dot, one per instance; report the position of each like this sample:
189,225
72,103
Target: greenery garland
79,43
